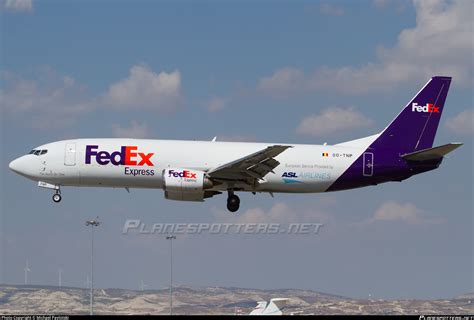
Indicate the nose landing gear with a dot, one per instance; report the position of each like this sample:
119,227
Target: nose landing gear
57,196
55,187
233,202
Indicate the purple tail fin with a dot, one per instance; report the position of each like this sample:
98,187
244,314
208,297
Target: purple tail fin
415,127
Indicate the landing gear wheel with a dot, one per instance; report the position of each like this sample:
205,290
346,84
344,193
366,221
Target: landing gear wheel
56,197
233,203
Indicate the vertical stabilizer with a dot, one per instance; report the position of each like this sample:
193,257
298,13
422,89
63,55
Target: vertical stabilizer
415,127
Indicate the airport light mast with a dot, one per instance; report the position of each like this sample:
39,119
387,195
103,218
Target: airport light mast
92,224
170,238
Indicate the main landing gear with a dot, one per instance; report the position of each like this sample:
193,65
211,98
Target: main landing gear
233,202
57,196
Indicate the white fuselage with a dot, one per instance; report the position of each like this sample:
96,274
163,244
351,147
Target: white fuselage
302,168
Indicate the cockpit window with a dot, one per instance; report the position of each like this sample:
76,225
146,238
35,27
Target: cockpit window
38,152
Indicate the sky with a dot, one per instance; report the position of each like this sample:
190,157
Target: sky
286,71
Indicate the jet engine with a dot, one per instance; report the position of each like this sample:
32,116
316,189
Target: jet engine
186,184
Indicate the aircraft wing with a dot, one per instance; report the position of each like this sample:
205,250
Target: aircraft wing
255,165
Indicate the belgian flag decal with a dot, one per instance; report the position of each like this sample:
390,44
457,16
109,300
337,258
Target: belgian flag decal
325,154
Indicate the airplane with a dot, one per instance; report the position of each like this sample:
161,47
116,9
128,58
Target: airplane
197,170
274,308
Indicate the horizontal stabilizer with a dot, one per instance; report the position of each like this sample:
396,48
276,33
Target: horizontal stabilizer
431,153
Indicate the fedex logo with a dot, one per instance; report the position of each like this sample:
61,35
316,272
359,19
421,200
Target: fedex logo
182,174
429,107
127,156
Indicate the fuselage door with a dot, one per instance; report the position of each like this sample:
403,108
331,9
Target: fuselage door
368,159
70,154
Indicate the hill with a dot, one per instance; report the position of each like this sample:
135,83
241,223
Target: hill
209,300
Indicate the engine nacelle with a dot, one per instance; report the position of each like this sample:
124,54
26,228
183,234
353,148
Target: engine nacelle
185,184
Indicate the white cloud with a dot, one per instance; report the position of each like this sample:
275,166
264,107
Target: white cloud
399,6
135,130
333,120
145,89
381,3
280,212
217,104
407,213
19,5
283,82
440,44
331,10
51,100
462,123
395,211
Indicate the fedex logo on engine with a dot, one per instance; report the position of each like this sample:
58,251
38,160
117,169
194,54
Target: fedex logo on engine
127,156
429,107
182,174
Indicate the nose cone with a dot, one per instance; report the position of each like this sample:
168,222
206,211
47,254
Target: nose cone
15,166
23,166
